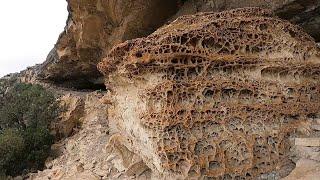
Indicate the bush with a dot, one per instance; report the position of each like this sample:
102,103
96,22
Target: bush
11,148
25,116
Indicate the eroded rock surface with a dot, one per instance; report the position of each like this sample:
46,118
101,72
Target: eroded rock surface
215,94
93,27
305,169
72,112
306,13
83,155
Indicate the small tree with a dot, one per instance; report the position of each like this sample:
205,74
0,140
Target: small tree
25,116
11,149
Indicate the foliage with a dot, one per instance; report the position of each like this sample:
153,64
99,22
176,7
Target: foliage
11,148
5,83
25,116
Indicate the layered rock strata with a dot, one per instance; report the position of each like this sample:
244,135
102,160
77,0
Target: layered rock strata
214,94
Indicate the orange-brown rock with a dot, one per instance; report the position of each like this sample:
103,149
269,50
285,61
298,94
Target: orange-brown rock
93,27
306,13
215,94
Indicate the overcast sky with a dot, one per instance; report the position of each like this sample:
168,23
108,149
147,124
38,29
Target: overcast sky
28,31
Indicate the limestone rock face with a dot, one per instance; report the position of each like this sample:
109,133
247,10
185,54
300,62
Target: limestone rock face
306,169
306,13
73,108
93,27
307,153
215,94
83,155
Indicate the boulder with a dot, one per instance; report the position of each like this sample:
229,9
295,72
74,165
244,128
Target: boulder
214,94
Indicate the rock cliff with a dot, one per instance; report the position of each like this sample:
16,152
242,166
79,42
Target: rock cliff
83,154
216,98
94,26
302,12
199,94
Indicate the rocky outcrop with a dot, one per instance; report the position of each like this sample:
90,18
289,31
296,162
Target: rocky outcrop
93,27
210,95
306,13
215,94
5,83
305,169
72,112
84,149
83,155
306,153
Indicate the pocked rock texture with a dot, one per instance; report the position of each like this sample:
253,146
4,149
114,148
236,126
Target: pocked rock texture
94,26
306,13
215,94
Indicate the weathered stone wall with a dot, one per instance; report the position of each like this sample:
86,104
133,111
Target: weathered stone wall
302,12
94,26
81,155
215,94
265,71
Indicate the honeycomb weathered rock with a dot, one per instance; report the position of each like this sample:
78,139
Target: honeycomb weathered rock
305,13
215,94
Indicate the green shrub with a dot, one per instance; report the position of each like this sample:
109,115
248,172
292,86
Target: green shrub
25,116
11,148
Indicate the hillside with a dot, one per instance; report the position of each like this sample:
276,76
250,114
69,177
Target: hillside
172,89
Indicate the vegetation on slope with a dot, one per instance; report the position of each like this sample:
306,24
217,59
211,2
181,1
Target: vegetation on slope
25,115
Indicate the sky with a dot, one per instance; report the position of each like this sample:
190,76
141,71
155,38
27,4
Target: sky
28,31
